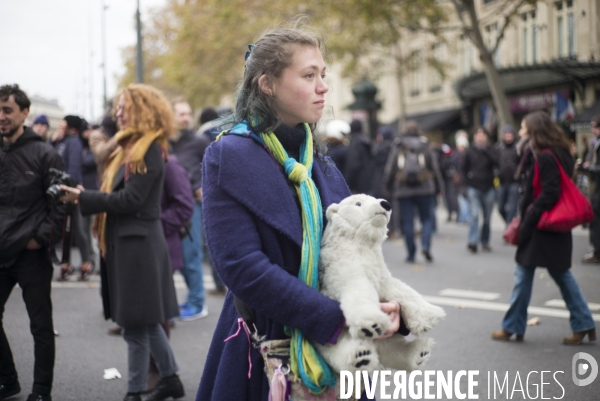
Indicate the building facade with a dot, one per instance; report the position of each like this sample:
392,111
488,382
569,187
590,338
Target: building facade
49,107
548,58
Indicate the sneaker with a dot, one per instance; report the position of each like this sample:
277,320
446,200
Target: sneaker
472,248
183,306
115,331
590,258
39,397
9,389
486,248
193,313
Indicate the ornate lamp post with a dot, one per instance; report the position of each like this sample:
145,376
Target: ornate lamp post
365,106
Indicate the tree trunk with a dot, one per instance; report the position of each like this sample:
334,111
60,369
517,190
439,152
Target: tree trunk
491,73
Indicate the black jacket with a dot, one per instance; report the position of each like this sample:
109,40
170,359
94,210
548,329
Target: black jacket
25,211
189,150
89,170
539,248
137,284
478,167
509,161
358,171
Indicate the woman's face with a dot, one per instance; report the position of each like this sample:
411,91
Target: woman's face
299,93
121,113
523,130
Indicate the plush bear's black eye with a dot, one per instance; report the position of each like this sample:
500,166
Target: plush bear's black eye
358,204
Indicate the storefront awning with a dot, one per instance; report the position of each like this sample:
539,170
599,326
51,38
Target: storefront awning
434,120
530,77
581,122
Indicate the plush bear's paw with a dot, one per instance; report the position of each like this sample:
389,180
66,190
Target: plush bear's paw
369,327
364,358
419,352
424,318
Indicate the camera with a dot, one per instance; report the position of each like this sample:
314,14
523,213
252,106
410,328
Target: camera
58,178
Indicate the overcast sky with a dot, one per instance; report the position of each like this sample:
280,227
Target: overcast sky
52,48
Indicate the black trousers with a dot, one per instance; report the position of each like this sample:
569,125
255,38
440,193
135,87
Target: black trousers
33,272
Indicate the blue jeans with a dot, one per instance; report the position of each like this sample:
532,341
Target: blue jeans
515,320
508,200
485,201
425,204
464,212
192,260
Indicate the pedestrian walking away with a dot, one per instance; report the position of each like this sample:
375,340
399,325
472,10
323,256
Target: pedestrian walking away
30,224
253,214
411,177
358,169
138,282
539,248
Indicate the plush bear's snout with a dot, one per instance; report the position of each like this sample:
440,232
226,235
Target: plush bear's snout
386,205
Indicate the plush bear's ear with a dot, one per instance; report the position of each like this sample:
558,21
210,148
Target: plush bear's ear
333,208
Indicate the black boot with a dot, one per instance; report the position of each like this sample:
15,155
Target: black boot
9,389
132,397
167,387
39,397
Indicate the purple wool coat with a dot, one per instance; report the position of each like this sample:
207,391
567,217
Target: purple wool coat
254,234
177,207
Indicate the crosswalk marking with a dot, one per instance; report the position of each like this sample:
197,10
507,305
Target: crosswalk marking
500,307
559,303
94,282
448,297
456,293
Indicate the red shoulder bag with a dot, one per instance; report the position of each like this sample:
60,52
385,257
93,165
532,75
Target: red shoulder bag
572,208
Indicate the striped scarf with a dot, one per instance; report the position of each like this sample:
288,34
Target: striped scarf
306,361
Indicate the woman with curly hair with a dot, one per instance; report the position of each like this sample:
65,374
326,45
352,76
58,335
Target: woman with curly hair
137,283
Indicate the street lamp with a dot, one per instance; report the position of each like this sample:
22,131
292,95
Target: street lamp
139,76
365,106
105,99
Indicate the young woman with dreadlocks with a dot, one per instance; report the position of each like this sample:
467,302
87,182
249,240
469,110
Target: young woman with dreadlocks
265,189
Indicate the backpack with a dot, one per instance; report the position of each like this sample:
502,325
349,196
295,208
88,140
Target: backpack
412,168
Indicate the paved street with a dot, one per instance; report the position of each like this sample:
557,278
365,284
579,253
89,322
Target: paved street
473,289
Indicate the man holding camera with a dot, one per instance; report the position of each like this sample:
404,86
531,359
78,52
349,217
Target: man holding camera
29,226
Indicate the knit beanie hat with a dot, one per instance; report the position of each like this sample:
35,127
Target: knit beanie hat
41,119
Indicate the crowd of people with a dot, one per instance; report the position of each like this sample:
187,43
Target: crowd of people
132,189
152,195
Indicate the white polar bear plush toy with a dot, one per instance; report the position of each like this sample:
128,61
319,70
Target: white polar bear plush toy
352,271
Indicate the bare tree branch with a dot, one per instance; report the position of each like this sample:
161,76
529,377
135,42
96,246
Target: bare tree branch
507,19
465,25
